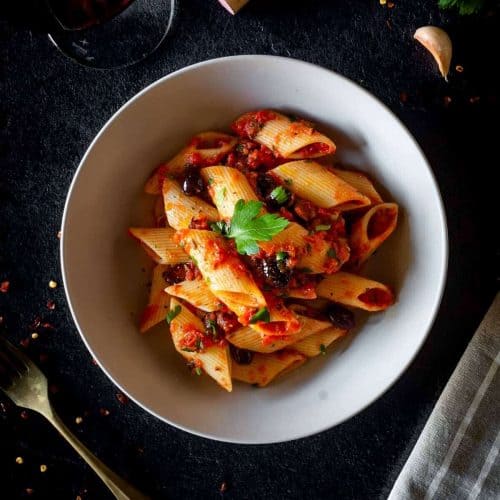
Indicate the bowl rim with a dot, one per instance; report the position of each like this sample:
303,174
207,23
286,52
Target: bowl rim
444,257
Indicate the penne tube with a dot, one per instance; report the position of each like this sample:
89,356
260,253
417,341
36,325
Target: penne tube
159,301
197,293
282,321
316,183
267,367
181,209
250,339
226,187
360,182
315,344
214,360
370,231
223,271
293,139
207,148
356,291
159,244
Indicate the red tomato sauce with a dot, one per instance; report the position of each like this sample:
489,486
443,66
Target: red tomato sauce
377,297
317,148
380,222
250,124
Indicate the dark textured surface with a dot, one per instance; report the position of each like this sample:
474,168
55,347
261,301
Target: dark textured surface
50,109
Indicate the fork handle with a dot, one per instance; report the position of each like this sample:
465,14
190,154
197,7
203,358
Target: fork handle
118,486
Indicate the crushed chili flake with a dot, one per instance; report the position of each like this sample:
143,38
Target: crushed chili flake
223,487
53,388
122,398
1,320
25,342
24,415
403,96
48,325
29,491
36,323
474,99
51,305
390,5
43,357
103,412
459,68
4,286
447,100
93,361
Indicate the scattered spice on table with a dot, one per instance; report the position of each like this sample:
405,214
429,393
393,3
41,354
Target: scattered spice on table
51,304
43,357
78,420
19,460
122,398
53,388
447,100
24,415
59,234
4,286
34,335
25,342
43,468
104,412
29,491
459,68
474,99
223,487
52,284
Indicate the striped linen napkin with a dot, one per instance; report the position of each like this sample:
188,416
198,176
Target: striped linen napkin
457,454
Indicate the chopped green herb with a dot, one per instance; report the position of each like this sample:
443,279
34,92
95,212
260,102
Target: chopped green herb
213,327
281,256
194,259
288,182
198,371
464,6
219,227
332,253
247,226
322,349
187,349
279,194
199,344
210,181
173,313
261,315
322,227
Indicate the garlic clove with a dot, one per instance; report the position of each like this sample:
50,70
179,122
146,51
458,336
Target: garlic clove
438,43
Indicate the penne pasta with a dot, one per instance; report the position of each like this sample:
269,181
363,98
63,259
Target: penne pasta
357,291
215,360
316,183
248,338
316,344
197,293
181,209
159,301
159,244
231,282
293,139
266,367
206,147
360,182
370,231
226,186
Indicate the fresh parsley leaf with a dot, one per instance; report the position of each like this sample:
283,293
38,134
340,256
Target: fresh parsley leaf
281,256
219,227
279,194
195,260
332,253
261,315
210,181
322,349
173,313
322,227
212,324
247,226
198,371
464,6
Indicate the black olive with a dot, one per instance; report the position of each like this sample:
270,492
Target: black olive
265,184
340,316
174,274
192,183
276,272
241,356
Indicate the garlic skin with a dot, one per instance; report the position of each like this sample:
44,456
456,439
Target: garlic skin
438,43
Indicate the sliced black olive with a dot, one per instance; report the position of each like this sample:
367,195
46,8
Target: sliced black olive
275,272
340,316
265,184
192,183
241,356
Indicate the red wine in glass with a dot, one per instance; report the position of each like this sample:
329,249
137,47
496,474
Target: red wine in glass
110,33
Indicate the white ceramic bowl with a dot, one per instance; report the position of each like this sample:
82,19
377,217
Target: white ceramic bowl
102,265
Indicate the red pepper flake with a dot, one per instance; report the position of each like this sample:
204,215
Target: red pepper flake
53,388
104,412
122,398
24,415
25,342
223,487
48,326
390,5
29,491
403,96
388,23
94,362
447,100
4,286
36,323
51,305
459,68
43,357
1,320
140,450
474,99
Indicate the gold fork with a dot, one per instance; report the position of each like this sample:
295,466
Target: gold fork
23,382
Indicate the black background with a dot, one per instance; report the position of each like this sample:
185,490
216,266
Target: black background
51,108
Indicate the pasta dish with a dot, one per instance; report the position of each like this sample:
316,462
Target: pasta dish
259,242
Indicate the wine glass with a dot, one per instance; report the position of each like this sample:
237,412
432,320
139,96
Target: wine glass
110,34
